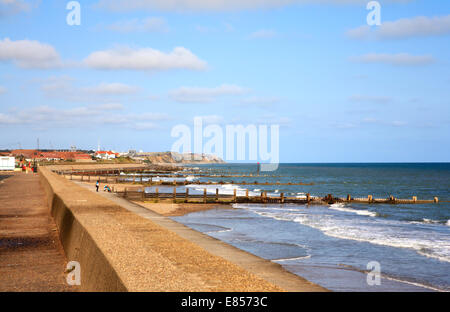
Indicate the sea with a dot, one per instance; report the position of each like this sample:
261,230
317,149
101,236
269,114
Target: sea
343,246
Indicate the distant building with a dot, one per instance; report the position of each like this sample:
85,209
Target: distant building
7,163
51,156
106,155
25,153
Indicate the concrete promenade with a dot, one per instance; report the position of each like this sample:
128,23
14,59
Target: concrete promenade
264,269
31,255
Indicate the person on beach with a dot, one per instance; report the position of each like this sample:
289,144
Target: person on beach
106,188
97,184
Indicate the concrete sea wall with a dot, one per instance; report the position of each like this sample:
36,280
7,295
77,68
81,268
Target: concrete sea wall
119,250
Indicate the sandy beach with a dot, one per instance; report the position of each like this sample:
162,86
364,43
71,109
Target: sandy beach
164,208
173,210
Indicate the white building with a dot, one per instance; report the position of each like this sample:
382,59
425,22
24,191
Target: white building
106,155
7,163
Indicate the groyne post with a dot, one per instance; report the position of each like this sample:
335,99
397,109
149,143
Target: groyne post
186,199
234,195
246,195
217,194
204,195
282,198
370,198
157,194
391,199
414,199
143,193
174,194
349,198
308,198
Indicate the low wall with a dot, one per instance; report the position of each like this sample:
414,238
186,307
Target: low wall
97,273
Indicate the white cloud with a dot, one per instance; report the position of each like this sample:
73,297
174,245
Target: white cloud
344,125
400,59
150,116
11,7
64,88
144,59
367,122
29,54
263,34
8,120
109,106
370,98
395,123
150,24
111,89
260,101
2,90
420,26
215,5
272,119
205,95
361,32
211,119
142,126
88,116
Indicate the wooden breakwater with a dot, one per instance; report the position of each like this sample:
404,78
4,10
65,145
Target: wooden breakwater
111,176
158,181
115,176
149,172
206,197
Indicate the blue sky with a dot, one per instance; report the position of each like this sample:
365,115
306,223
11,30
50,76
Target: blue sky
340,90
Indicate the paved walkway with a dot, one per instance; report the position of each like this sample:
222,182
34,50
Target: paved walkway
31,255
271,272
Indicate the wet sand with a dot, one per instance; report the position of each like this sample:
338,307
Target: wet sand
175,210
163,208
31,255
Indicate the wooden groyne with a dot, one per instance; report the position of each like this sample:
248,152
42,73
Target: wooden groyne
106,175
263,198
151,182
149,172
112,176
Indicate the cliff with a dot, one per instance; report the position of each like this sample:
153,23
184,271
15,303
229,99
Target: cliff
172,158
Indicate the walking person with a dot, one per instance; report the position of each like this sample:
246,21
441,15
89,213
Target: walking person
97,184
